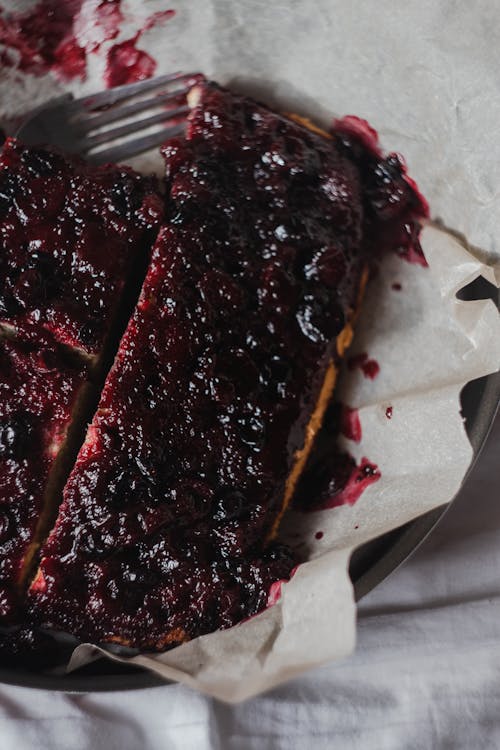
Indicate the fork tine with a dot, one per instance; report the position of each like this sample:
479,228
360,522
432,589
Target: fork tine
111,96
131,127
88,124
134,147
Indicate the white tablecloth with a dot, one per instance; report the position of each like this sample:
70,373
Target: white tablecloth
426,673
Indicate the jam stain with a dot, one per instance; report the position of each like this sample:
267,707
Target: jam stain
335,479
274,594
125,63
319,535
412,252
369,367
350,424
57,37
388,412
397,286
155,18
361,477
41,40
98,21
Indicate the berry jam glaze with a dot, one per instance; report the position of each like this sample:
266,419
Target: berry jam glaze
69,234
394,207
38,387
162,532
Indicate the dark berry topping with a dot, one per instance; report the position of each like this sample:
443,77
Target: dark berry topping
68,235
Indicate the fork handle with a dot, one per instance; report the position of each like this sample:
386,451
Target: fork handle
16,124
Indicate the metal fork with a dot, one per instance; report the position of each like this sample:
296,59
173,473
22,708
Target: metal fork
79,126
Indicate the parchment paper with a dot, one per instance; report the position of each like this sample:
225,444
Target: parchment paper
424,74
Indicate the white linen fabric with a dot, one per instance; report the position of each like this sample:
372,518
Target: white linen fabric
425,675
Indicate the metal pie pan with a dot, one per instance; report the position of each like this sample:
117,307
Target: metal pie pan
370,565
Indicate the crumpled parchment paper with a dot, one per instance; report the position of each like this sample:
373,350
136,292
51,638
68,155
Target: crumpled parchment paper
423,74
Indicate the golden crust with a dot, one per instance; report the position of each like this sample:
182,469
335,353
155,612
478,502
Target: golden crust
174,636
307,123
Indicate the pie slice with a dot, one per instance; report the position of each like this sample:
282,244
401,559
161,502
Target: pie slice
72,240
70,236
219,385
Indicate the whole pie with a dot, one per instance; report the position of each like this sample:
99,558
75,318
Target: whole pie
159,523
